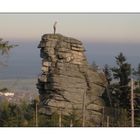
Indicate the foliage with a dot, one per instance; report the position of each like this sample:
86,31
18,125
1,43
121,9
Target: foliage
15,115
5,47
94,66
119,90
137,108
122,74
108,74
4,90
23,115
137,74
107,93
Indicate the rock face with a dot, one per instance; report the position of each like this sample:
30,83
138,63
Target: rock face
67,82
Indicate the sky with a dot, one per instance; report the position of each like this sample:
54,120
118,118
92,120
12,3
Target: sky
104,36
89,27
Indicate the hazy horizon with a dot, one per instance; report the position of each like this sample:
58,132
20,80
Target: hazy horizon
24,61
103,35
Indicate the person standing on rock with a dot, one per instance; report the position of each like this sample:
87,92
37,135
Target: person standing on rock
54,27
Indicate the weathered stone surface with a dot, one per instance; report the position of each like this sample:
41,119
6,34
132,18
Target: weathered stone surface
67,80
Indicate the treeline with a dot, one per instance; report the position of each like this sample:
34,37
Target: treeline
13,115
33,115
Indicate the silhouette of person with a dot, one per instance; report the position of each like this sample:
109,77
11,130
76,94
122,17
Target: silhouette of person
54,27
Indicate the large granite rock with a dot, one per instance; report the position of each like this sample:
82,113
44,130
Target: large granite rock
67,82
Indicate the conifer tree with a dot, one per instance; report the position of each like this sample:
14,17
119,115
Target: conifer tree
107,73
137,96
122,74
107,93
4,49
94,66
137,74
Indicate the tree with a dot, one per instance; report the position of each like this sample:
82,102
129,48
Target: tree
122,74
94,66
137,74
137,96
8,113
107,73
119,91
5,48
107,93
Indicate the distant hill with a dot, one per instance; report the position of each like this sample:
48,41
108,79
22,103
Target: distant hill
20,85
24,61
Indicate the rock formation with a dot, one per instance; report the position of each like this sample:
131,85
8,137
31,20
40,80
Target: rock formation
67,82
